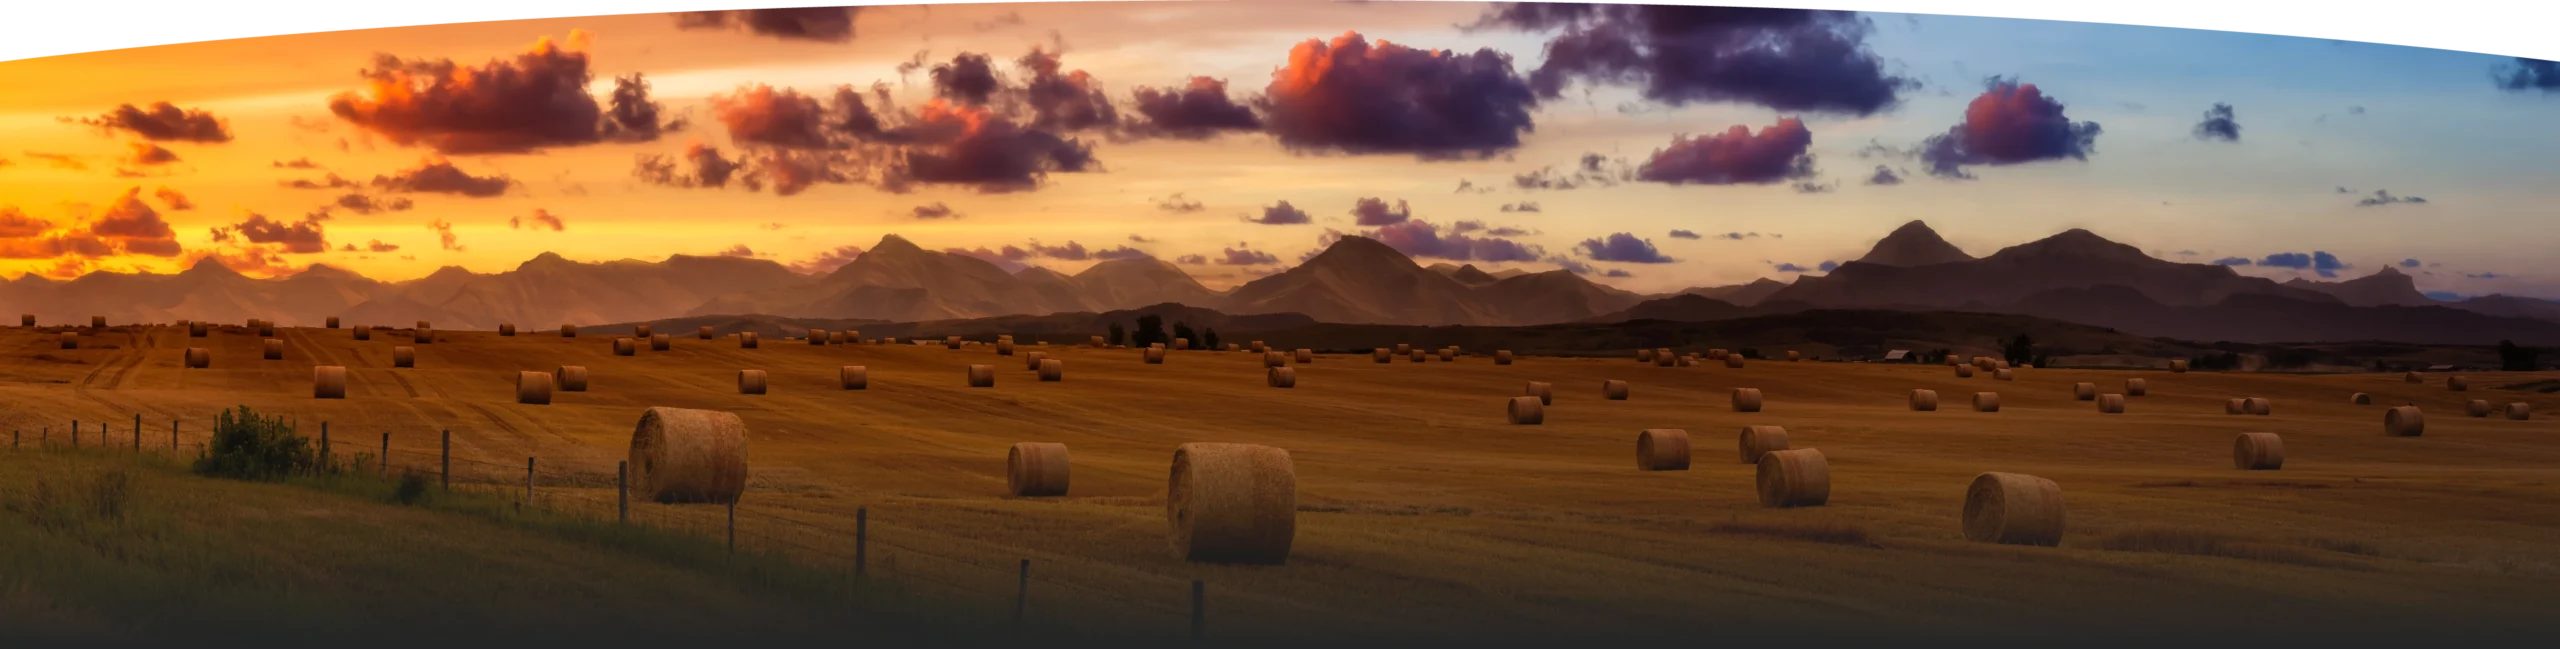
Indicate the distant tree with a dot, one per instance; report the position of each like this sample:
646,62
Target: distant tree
2514,358
1751,353
1150,331
1935,356
1116,335
1183,331
2220,361
1209,339
2020,350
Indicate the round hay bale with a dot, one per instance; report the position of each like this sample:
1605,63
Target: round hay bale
2259,406
568,331
571,378
1031,361
1004,348
1794,478
1644,356
2457,383
1924,400
1792,356
267,328
1096,342
982,376
818,337
364,332
1662,449
1758,440
2084,391
28,320
1448,354
1986,402
2236,406
2013,509
1733,361
274,349
70,340
751,382
1664,358
1180,344
1154,355
2360,399
506,329
97,322
2178,366
1274,359
1383,355
1052,370
1746,400
422,324
1305,356
404,356
2404,421
659,342
197,330
681,455
2257,452
837,338
1502,357
1964,371
2519,411
199,358
1417,356
2413,377
854,377
1526,410
2004,374
421,335
1951,360
1280,377
2136,387
2111,403
703,332
1614,389
1544,391
1231,503
625,347
747,340
953,342
1404,348
1035,469
643,332
2477,408
1231,346
329,382
533,388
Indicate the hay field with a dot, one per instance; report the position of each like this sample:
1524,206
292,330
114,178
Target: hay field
1423,515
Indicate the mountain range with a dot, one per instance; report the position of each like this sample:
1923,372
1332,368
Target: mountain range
2075,276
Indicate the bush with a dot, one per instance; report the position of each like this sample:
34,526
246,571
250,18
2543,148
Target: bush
249,447
412,489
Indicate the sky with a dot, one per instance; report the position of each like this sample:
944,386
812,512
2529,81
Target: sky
1650,148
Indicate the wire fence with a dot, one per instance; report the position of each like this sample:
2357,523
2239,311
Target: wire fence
585,492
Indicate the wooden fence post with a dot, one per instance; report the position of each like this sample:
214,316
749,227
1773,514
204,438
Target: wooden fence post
75,433
622,492
173,437
733,526
1022,591
528,481
1199,609
137,432
325,458
861,538
385,468
445,475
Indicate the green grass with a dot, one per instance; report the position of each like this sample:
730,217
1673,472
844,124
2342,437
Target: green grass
100,547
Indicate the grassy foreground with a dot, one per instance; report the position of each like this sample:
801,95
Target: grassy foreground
107,548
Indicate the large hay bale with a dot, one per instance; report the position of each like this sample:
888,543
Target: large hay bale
1181,344
274,349
1448,354
702,332
2257,452
568,331
2457,383
2360,399
1964,371
1031,361
625,347
1544,391
953,342
1733,361
751,382
421,335
198,330
2013,509
1614,390
2259,406
837,338
1793,356
506,329
1525,410
1383,355
1746,400
533,388
818,337
982,376
2004,374
2413,377
1758,440
1052,370
1004,348
2136,387
854,377
1417,355
747,340
2236,406
267,328
70,340
1794,478
1305,356
28,320
2519,411
1034,469
684,455
1280,377
2404,421
1257,347
1662,449
2111,403
571,378
2178,366
329,382
1231,347
1502,357
1644,356
1274,359
1986,402
1664,358
1231,503
199,358
2477,408
2084,391
364,332
1404,348
1153,355
97,322
404,356
1097,341
1924,400
660,342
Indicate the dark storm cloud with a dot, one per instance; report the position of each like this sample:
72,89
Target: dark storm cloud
759,114
1064,100
1736,156
1282,214
2009,123
968,78
823,24
631,116
1375,212
1245,257
306,236
1884,176
2218,124
1423,239
1198,110
163,122
438,176
537,100
1357,97
969,145
1786,59
2529,74
1622,247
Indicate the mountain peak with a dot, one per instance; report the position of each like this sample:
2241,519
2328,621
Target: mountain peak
1913,244
2077,242
209,267
894,244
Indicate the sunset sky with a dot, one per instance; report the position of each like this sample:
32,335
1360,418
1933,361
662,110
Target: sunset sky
1450,130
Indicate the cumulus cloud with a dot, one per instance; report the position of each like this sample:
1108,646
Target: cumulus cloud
2010,123
1471,225
758,114
2218,125
1522,206
822,24
1064,100
937,210
1827,266
1736,156
827,261
1282,214
1785,59
1357,97
2232,261
1738,236
2317,261
1424,239
1374,212
435,175
444,234
540,220
1614,272
329,181
362,204
377,246
2529,74
1245,257
1683,234
1197,110
970,145
306,236
1884,176
537,100
1791,267
1192,260
2383,197
176,201
1178,203
163,122
968,78
740,250
1811,187
698,166
1623,247
59,160
2409,263
1593,170
149,155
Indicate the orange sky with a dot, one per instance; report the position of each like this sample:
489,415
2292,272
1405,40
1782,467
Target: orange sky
273,97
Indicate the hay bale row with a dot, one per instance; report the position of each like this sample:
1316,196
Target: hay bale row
404,356
1756,441
982,376
2112,404
571,378
1525,410
1036,469
1986,402
2257,452
2014,509
1662,449
329,382
1544,391
1746,400
2404,421
533,388
1614,390
751,382
272,349
1794,478
199,358
1231,503
1281,377
1924,400
686,455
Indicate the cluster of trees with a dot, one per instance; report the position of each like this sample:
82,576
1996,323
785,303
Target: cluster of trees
2021,350
2514,358
1150,331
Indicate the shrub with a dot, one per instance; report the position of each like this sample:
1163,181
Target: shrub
412,489
247,446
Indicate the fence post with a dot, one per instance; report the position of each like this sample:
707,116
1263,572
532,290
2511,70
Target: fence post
75,433
528,481
385,469
1199,609
137,432
622,492
173,437
861,538
325,458
445,475
733,526
1022,591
